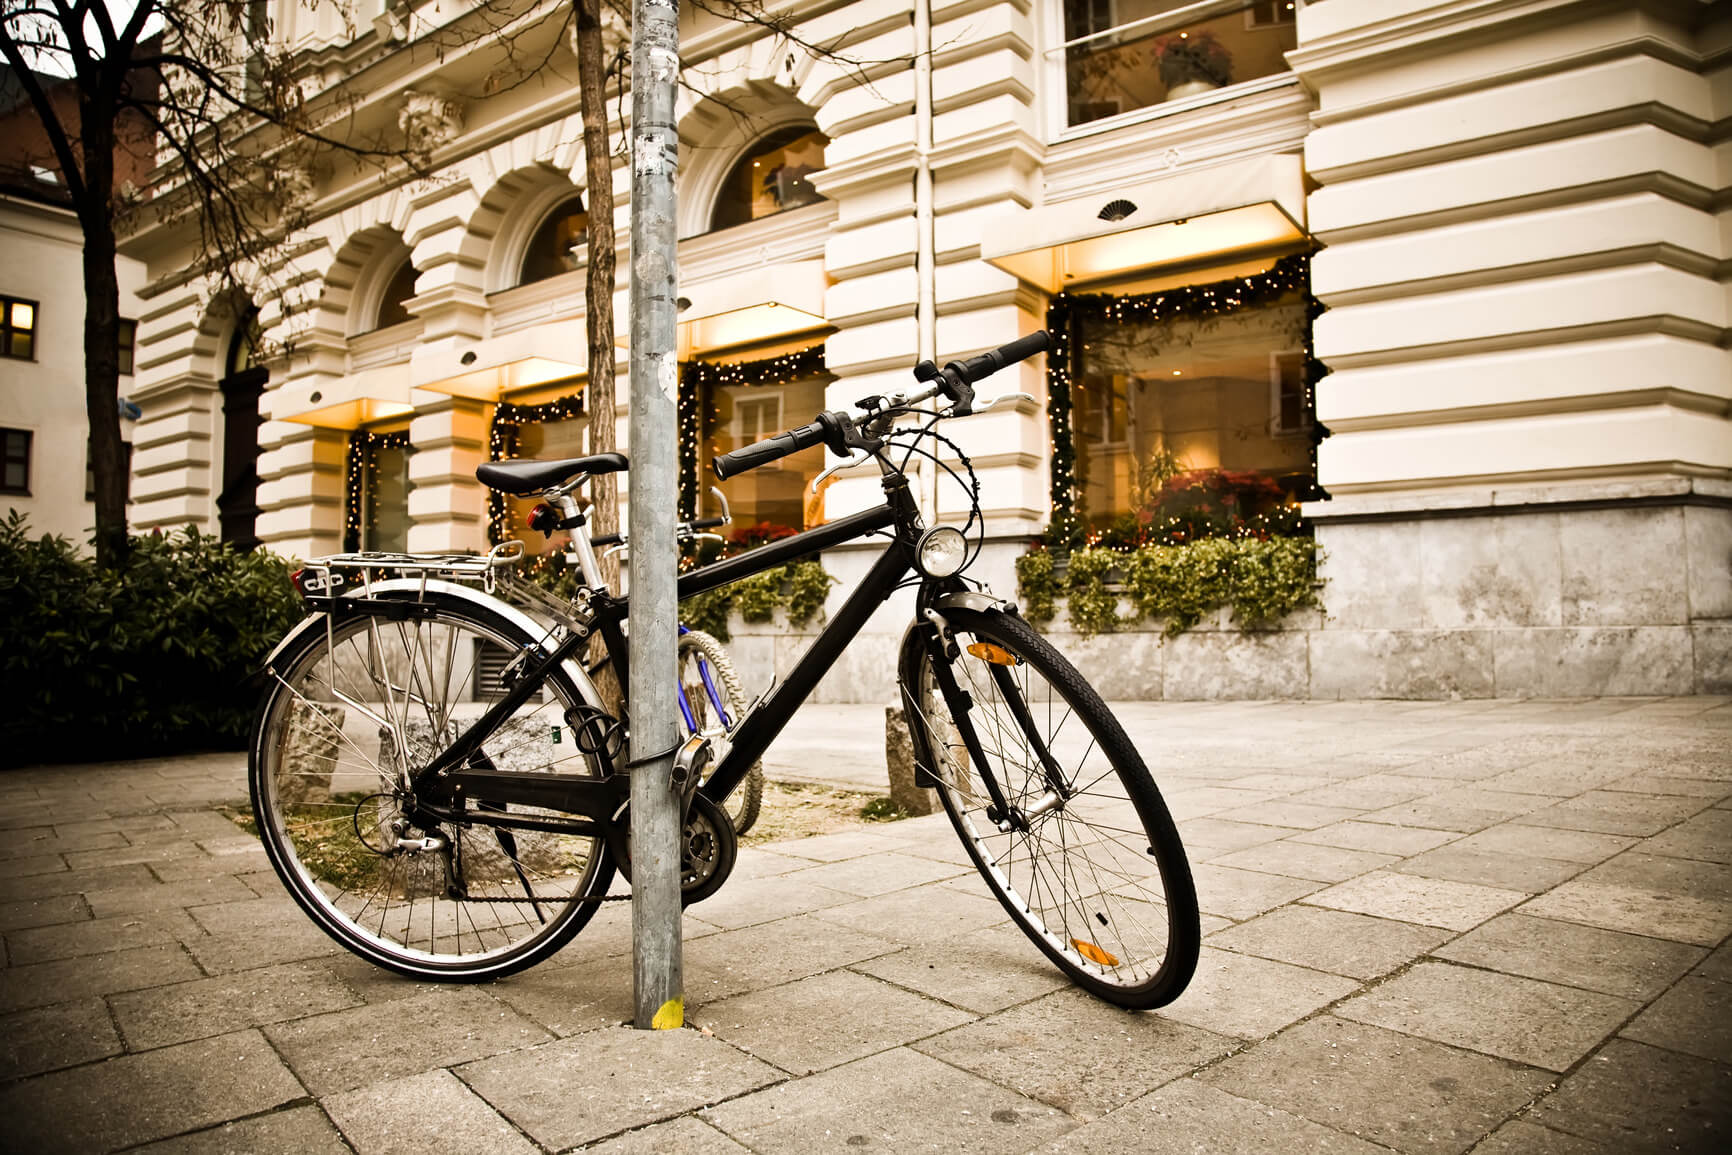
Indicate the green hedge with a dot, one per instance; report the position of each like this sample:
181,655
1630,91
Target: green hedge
154,658
1176,584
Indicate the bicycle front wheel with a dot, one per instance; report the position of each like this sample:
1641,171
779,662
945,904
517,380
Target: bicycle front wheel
1055,806
353,712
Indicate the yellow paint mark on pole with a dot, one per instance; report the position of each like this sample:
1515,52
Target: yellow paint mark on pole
671,1016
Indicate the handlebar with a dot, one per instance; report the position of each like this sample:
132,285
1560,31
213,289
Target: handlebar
955,381
978,368
827,429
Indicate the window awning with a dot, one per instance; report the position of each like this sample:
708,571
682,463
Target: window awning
376,394
1193,217
487,369
752,306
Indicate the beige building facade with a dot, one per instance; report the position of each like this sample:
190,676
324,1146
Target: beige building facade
44,439
1483,245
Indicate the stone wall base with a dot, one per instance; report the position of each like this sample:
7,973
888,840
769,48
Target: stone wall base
1582,598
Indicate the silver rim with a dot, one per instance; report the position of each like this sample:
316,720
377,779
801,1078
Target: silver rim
349,723
1080,876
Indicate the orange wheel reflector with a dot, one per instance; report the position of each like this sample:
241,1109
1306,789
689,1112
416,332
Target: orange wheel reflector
997,655
1094,953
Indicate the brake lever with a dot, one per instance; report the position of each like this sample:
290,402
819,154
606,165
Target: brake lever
845,463
1001,399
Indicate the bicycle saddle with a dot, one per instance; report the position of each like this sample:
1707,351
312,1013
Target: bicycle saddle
520,477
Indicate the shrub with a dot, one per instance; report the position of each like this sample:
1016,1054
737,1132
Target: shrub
799,586
1176,584
152,658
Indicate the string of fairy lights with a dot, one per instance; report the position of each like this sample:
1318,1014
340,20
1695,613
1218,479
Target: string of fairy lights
361,479
502,443
699,381
1068,312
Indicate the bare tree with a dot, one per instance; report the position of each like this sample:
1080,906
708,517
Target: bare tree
198,87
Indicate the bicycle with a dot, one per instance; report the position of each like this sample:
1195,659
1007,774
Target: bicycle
477,841
711,696
711,699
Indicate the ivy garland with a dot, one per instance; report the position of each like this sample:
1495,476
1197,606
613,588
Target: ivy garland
1064,318
502,438
361,478
698,377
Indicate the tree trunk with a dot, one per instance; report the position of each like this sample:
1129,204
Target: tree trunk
599,276
598,303
102,342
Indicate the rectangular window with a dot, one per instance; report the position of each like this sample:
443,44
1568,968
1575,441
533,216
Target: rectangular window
15,461
386,498
734,416
17,328
128,333
1121,55
1167,412
543,441
90,469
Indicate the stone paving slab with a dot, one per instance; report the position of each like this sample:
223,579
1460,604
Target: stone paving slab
1431,927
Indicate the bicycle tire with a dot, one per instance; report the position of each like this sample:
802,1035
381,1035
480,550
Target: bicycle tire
696,646
1099,882
492,901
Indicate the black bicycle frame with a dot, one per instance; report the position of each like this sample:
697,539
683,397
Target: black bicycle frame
447,781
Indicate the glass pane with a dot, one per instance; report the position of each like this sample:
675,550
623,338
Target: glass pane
1148,64
23,315
128,336
1167,411
547,441
393,307
387,527
773,177
22,345
778,493
557,245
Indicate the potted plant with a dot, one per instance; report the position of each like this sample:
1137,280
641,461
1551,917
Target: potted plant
1192,62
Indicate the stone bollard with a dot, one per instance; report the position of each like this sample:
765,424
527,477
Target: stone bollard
899,754
310,753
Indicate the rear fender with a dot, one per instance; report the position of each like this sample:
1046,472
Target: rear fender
412,589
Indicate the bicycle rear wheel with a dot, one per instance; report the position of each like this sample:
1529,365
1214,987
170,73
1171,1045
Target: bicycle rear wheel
717,699
352,713
1077,843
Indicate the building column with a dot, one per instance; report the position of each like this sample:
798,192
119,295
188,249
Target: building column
447,506
1531,460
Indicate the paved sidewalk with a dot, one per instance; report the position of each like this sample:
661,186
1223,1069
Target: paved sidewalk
1432,928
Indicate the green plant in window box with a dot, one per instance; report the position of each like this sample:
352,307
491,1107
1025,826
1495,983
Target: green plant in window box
1261,579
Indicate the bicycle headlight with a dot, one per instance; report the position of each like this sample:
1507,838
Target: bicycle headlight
942,551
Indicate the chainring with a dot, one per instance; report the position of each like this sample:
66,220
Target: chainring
708,848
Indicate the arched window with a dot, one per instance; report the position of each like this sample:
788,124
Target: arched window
556,246
394,303
774,176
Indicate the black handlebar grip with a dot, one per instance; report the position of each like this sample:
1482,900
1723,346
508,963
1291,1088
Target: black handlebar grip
977,368
709,522
768,450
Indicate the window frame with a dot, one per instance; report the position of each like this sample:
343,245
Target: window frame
7,459
757,147
90,471
126,338
555,211
1055,80
8,330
